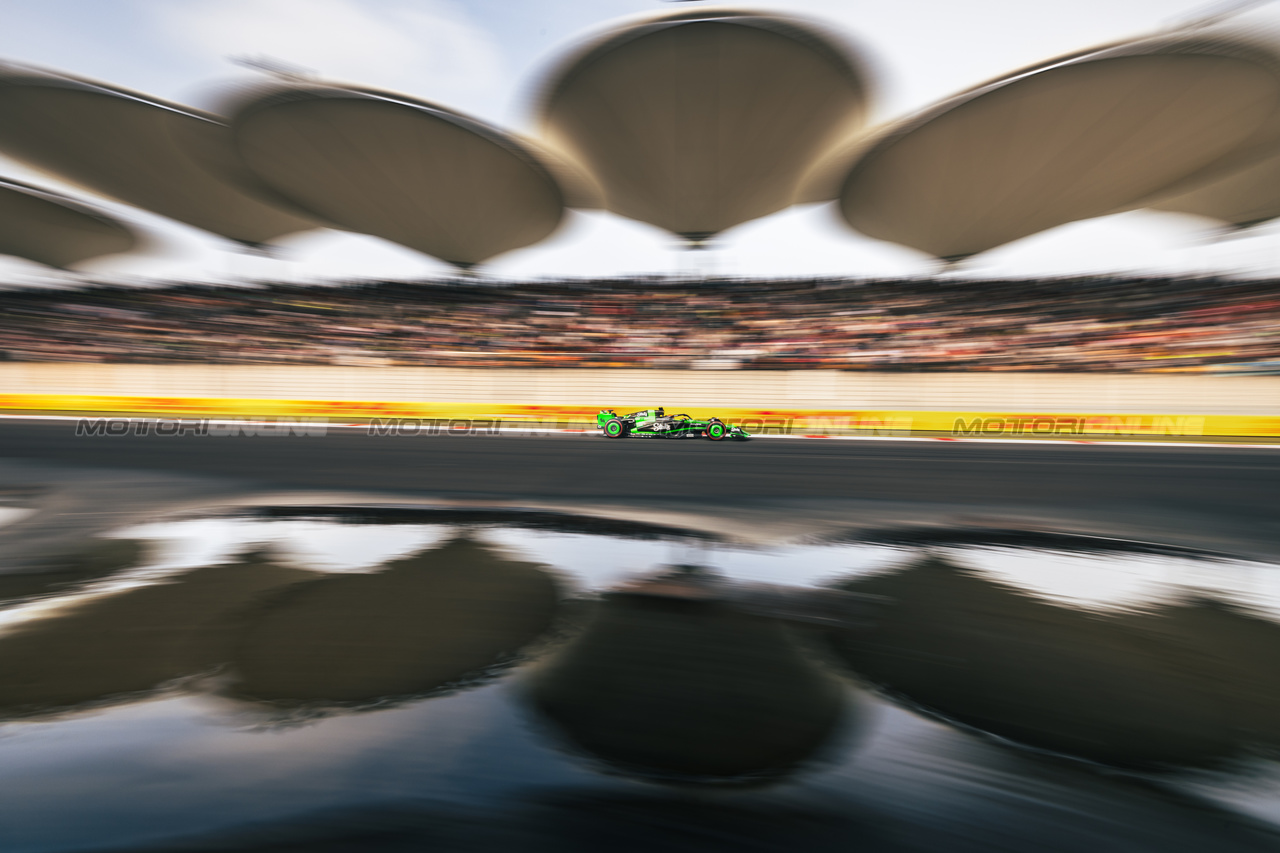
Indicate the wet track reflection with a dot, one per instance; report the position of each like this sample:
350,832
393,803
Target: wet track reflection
359,678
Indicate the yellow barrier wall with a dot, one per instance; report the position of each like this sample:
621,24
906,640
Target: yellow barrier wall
960,424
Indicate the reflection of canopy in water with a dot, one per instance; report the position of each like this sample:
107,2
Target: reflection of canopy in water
95,559
408,171
1091,134
162,157
1180,685
419,624
698,121
52,229
133,641
416,625
1237,654
688,689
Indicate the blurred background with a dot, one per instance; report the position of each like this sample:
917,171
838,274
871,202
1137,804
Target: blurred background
577,166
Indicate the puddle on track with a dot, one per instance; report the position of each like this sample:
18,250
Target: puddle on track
354,678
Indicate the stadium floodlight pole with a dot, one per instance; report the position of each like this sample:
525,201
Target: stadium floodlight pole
1218,12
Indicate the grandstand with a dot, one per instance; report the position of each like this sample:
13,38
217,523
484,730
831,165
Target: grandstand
1075,324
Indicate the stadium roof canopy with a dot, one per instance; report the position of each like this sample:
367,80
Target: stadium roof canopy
406,170
159,156
1242,199
51,229
699,121
1098,132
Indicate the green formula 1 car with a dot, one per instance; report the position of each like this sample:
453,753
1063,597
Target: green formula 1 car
656,423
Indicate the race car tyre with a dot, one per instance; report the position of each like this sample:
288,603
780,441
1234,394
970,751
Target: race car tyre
615,429
716,431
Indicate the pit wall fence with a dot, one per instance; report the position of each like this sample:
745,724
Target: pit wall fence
783,402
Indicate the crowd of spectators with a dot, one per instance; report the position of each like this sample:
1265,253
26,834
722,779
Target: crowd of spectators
1094,324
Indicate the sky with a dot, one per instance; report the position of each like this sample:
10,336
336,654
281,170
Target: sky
486,58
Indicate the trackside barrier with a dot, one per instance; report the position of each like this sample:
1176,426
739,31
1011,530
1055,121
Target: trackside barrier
401,418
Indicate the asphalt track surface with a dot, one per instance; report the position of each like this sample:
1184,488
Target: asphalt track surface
1233,489
588,466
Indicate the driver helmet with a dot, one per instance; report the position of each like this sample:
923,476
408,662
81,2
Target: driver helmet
661,411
